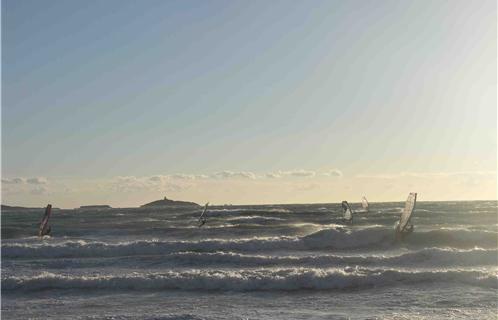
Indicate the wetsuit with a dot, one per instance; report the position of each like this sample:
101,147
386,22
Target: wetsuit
202,221
401,234
345,207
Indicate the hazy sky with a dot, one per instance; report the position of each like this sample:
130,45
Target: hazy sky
122,102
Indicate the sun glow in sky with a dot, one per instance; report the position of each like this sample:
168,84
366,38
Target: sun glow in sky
123,102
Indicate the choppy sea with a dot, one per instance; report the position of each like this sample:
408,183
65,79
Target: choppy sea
252,262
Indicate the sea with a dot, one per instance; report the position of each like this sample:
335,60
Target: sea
252,262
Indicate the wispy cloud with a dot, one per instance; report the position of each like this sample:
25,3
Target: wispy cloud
226,174
21,185
37,180
300,173
13,181
39,190
333,173
426,174
158,178
233,174
273,175
292,173
250,187
307,187
20,180
183,176
159,183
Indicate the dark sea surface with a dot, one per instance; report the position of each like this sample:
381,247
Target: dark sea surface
253,262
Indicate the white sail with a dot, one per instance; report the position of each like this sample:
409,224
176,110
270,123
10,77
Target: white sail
204,211
364,204
348,213
407,212
44,228
202,218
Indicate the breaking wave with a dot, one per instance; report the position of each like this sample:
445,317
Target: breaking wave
249,280
327,239
430,258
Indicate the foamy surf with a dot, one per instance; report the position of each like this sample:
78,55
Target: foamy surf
327,239
249,280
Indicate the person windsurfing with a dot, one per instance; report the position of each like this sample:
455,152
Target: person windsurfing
45,229
364,204
203,218
404,227
348,213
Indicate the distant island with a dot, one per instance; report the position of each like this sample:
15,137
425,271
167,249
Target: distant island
17,208
5,207
170,203
96,207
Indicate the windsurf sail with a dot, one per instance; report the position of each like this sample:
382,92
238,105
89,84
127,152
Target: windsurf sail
404,220
364,204
348,213
202,218
44,227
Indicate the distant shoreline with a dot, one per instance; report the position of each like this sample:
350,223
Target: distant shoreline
20,208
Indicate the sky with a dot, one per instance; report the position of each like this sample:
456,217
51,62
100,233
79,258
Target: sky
123,102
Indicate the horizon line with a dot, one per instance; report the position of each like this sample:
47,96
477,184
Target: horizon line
264,204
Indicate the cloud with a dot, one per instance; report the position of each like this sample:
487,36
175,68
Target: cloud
172,187
228,174
128,179
299,173
273,175
14,181
427,174
182,181
307,187
333,173
39,190
126,184
183,176
19,180
377,176
159,183
231,174
26,186
158,178
38,180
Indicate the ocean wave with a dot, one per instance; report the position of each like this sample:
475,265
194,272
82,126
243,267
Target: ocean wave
327,239
430,258
343,238
186,316
67,249
234,211
324,239
458,238
248,280
278,210
254,219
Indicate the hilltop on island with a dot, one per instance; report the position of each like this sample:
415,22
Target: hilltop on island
170,203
